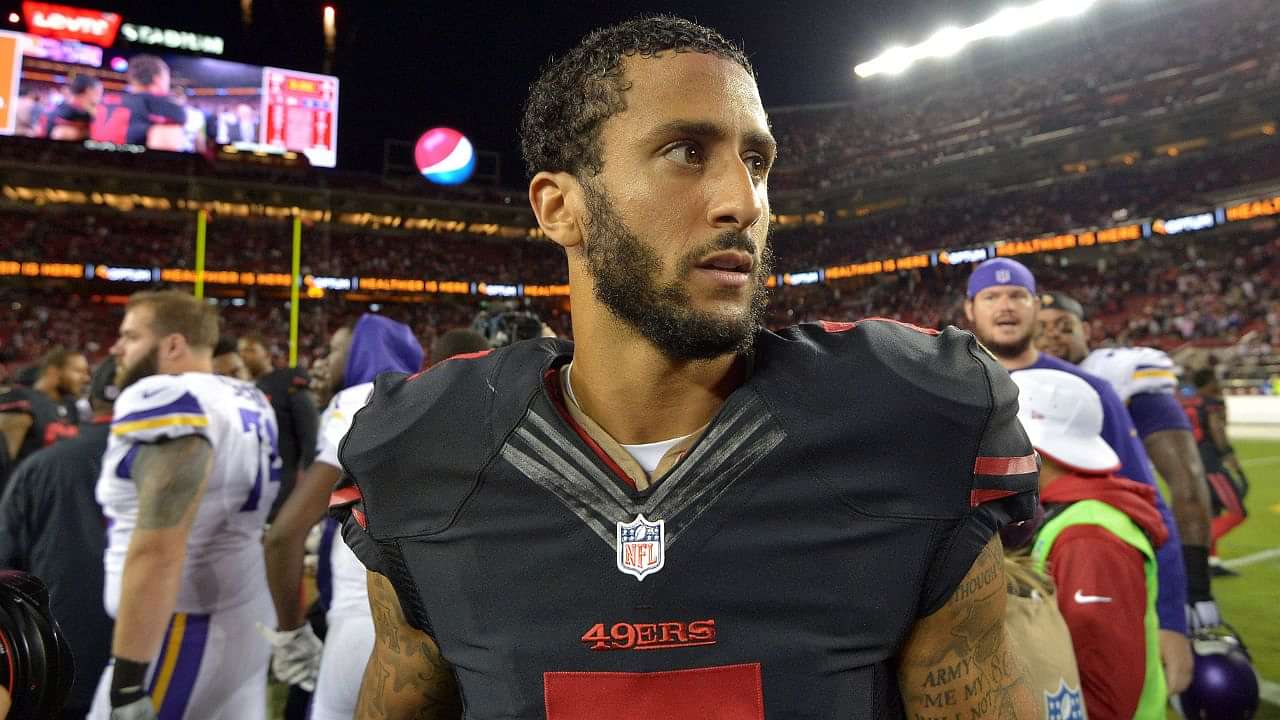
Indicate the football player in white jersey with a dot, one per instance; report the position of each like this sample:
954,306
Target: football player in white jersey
356,356
1146,381
189,474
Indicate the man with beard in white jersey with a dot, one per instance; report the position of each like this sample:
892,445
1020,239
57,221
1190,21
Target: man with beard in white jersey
356,356
190,471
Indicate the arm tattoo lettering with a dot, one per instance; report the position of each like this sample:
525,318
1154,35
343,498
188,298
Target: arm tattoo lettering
959,664
407,678
170,477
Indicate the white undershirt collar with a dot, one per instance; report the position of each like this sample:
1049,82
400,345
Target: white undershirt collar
646,455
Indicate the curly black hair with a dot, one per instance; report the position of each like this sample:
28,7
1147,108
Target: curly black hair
576,93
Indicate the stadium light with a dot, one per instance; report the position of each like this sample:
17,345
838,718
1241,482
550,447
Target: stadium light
946,42
950,40
330,36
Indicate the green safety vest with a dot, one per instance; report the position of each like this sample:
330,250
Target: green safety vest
1151,705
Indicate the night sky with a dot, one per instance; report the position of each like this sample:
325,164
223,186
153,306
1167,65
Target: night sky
406,66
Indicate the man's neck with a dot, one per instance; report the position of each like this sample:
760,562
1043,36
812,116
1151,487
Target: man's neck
1021,361
1050,471
637,393
48,388
197,364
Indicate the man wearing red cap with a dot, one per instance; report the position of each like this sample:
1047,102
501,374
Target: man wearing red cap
1098,543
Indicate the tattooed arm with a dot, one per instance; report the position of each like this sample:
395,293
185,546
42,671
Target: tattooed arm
406,678
958,662
171,477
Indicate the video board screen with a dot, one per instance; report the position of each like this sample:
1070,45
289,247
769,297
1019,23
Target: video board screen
73,91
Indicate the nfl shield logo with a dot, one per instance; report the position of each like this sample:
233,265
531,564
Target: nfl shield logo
1003,277
1066,704
641,547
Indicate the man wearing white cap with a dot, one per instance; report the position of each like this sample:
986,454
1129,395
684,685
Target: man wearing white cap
1098,544
1003,309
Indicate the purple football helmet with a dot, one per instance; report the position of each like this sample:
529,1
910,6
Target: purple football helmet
1224,685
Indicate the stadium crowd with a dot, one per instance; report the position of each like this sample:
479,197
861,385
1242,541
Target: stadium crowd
1199,54
1162,292
1164,187
159,240
1159,188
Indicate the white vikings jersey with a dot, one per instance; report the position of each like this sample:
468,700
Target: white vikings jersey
1133,370
350,620
350,587
224,565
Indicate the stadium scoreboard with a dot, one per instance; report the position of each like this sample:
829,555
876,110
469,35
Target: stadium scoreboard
265,110
300,112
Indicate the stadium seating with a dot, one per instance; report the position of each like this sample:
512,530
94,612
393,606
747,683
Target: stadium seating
1194,55
1163,292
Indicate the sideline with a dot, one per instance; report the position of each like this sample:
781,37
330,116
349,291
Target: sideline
1269,691
1251,559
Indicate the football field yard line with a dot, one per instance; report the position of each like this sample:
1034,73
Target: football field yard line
1269,691
1262,461
1252,558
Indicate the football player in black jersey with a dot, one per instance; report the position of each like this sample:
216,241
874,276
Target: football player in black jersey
682,515
296,413
72,119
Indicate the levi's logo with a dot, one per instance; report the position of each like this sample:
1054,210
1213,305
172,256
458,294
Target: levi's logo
650,636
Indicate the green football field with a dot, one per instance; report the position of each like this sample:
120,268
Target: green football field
1251,602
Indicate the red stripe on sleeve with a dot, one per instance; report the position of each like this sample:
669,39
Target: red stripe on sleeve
345,496
1005,465
459,356
978,497
839,327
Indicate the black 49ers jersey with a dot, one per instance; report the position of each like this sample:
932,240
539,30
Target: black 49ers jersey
840,494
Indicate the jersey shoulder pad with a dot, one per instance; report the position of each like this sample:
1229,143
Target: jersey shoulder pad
336,419
18,399
931,414
1134,370
291,379
438,427
901,358
159,407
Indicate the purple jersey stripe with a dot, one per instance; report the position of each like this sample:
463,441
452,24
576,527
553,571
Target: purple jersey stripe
185,405
1153,412
185,673
164,648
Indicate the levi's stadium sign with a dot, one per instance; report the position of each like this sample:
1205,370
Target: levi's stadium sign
175,39
96,27
71,23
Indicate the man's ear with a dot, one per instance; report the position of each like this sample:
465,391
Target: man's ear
552,197
172,346
1087,330
968,310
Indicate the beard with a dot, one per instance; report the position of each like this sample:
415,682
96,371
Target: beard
626,275
1010,350
146,366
